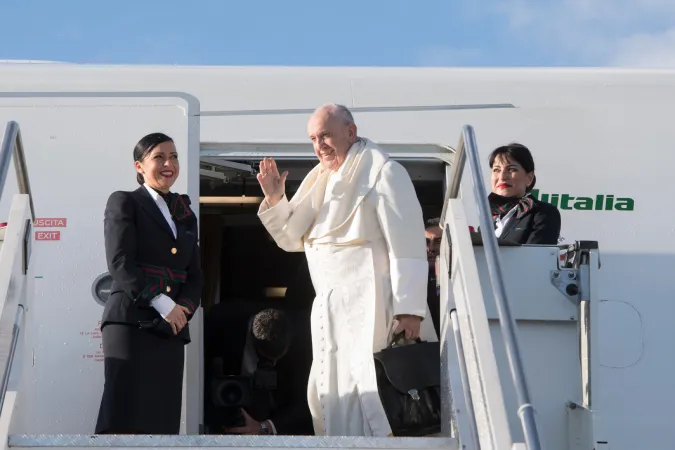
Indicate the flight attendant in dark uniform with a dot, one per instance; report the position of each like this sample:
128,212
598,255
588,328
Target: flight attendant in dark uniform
153,257
518,217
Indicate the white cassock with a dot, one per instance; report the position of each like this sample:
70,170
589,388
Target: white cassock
363,232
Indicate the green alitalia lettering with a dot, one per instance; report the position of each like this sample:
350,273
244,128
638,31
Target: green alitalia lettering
583,203
598,202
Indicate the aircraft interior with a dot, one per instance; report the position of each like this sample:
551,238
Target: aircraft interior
246,272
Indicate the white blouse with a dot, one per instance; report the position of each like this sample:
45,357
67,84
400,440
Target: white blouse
502,222
162,303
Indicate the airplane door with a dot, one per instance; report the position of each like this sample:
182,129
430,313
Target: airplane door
78,151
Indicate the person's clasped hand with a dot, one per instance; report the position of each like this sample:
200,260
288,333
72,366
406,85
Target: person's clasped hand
177,318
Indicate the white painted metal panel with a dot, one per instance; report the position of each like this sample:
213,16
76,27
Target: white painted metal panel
548,333
541,300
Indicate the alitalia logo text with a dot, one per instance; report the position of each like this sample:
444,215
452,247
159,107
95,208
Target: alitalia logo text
599,202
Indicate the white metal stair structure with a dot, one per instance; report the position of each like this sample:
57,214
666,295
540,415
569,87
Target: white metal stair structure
16,274
485,370
542,357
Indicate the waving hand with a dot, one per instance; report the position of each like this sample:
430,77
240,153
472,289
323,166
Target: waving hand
273,185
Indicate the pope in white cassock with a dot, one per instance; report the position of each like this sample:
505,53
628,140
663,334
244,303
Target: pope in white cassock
358,219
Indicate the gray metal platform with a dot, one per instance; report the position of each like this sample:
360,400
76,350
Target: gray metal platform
209,441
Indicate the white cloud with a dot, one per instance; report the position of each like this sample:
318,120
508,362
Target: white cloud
594,32
648,50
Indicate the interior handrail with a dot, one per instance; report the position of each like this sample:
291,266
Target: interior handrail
507,323
455,177
12,145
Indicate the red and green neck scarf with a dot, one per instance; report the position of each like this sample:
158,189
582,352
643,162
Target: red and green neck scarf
500,206
179,205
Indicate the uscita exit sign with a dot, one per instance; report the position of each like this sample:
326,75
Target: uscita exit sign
47,235
50,222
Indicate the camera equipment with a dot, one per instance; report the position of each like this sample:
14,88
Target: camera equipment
228,391
231,393
268,339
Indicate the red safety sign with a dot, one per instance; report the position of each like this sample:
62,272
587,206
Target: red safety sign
47,235
50,222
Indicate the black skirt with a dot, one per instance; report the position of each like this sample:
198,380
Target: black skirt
143,388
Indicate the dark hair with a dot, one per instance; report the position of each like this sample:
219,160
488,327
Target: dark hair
435,222
271,332
145,146
520,154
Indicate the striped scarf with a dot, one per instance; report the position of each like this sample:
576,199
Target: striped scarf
179,205
499,205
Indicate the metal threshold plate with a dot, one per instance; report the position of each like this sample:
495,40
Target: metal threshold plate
336,442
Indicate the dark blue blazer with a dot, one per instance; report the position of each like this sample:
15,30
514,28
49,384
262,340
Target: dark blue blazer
540,226
144,259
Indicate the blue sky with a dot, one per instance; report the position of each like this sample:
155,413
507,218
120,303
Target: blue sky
345,32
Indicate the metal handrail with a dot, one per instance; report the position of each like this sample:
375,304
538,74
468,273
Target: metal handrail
16,330
464,376
12,145
507,323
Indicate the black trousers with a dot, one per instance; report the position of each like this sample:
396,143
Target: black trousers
143,388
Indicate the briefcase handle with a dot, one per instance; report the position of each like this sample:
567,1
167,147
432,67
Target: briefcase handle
398,336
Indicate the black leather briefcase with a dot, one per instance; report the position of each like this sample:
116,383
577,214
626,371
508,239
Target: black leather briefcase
409,384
